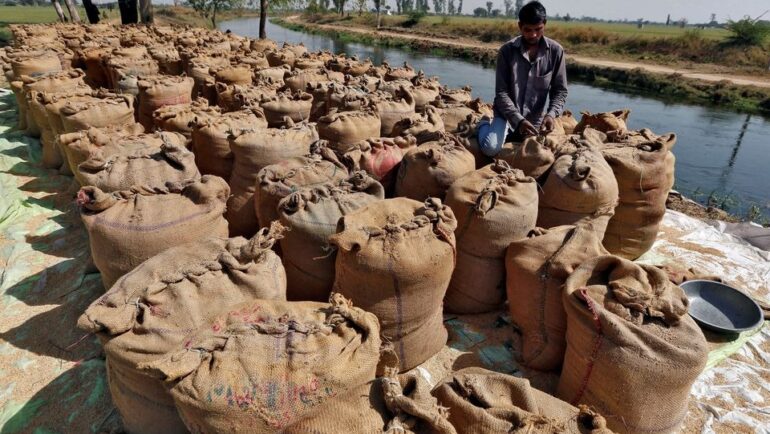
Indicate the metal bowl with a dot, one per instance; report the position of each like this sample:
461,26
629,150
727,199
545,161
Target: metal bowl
721,307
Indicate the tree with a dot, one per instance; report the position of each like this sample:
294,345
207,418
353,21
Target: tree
73,11
519,5
361,5
92,12
567,17
339,5
489,8
460,8
210,8
145,11
378,6
450,9
496,12
128,12
479,12
59,11
508,7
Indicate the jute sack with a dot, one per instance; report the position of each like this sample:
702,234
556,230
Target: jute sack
159,92
181,118
276,181
152,166
633,352
64,81
169,61
35,63
93,58
125,71
456,96
235,97
251,58
644,167
127,227
51,157
403,73
392,111
273,73
54,102
395,259
390,404
104,112
579,187
565,123
148,312
345,98
452,114
299,50
344,129
241,75
468,133
308,62
281,57
536,268
380,158
423,127
494,206
429,169
298,81
294,106
605,122
78,147
210,142
392,88
266,365
262,45
17,87
481,401
535,155
311,215
253,150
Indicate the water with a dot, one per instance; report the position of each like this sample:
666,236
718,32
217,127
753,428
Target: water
719,153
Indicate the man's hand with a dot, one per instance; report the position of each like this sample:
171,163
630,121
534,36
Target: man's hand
547,125
527,129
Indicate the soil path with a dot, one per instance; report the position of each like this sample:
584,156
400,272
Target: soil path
469,43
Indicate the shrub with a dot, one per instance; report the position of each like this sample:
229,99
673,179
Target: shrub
748,32
413,18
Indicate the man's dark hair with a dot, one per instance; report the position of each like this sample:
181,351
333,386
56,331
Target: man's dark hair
532,13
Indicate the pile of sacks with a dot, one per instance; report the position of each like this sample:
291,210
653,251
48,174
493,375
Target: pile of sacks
280,232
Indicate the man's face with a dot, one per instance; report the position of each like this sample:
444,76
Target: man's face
532,32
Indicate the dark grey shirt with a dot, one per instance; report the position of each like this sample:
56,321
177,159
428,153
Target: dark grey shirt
522,86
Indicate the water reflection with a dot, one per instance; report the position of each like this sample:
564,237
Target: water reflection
718,151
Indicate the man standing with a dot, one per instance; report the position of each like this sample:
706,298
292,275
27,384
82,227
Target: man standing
530,70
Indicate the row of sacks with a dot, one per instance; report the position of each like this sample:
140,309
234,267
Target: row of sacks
200,337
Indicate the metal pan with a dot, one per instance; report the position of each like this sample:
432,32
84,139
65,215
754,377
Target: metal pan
721,307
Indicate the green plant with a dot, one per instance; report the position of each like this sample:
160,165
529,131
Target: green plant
413,18
747,32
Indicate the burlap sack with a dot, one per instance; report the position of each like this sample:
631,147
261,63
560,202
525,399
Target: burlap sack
169,61
494,206
281,58
235,97
565,124
96,73
633,351
456,96
424,128
104,112
395,259
308,62
148,313
127,227
389,404
536,268
298,81
605,122
242,75
266,365
429,169
481,401
579,187
35,63
276,181
78,147
158,92
273,73
54,102
311,215
181,118
124,72
535,155
262,45
339,98
403,73
392,88
172,162
344,129
392,111
452,114
294,106
644,167
380,158
51,157
253,150
52,82
210,142
17,87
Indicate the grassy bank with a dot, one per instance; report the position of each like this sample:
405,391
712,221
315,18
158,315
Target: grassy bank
709,49
667,87
175,15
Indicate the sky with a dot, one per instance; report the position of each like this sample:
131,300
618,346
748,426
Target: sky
696,11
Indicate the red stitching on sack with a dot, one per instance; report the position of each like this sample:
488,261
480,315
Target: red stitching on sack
595,350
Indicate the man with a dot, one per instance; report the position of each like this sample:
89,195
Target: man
530,70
